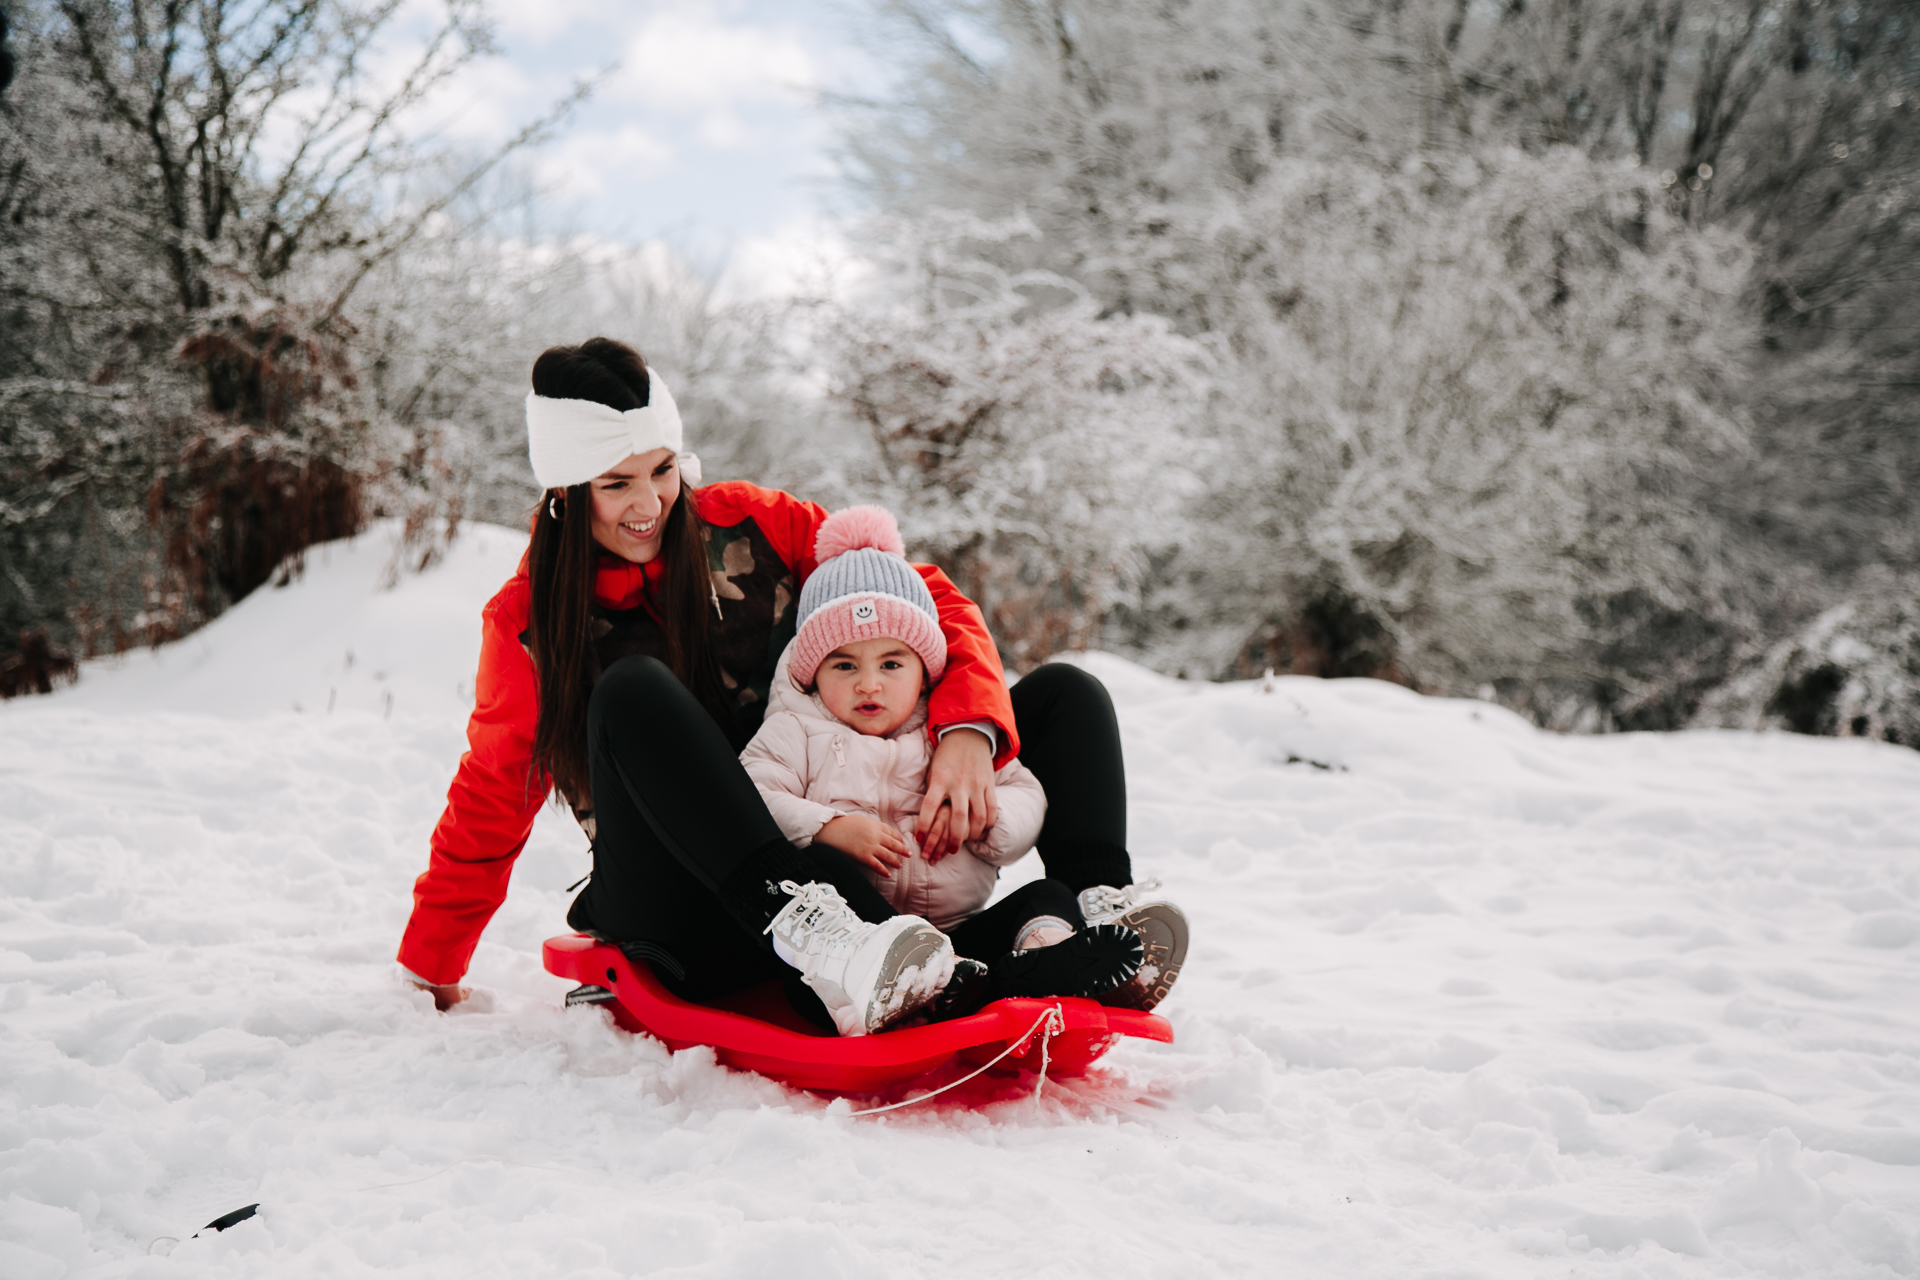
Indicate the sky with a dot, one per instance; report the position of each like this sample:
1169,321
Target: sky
703,132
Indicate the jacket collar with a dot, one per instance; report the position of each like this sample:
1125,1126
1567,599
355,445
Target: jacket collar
622,584
619,583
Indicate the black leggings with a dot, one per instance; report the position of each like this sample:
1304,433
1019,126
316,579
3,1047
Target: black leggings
675,815
992,933
1070,739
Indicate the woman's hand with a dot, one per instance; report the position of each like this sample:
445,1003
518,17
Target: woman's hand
445,996
959,806
867,840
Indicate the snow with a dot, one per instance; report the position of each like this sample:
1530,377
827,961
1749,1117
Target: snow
1465,999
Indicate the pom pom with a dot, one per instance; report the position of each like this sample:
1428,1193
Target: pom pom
857,528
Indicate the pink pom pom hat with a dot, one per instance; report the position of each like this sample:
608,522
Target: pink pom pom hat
864,589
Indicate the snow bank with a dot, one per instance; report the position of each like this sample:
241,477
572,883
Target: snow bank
1465,999
331,640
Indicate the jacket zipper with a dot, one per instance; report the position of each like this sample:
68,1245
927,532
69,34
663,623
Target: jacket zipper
916,887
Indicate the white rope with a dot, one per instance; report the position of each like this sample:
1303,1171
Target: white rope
1052,1015
1056,1023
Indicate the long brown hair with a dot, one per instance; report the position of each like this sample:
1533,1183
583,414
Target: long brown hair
562,560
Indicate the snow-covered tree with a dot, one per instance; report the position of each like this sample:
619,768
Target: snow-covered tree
1490,318
1473,400
1854,671
196,194
1793,122
1029,445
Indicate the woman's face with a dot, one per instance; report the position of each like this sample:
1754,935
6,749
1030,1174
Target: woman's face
630,504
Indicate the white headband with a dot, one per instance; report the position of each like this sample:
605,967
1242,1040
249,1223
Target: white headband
570,442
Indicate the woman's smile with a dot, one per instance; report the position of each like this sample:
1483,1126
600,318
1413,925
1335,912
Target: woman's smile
621,522
637,539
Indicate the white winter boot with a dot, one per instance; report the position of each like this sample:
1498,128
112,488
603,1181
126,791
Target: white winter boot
1163,934
868,975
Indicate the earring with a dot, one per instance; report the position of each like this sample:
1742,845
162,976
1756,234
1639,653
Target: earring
553,511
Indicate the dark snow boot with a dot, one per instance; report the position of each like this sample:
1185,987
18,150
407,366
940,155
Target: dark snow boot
967,992
1162,927
1091,963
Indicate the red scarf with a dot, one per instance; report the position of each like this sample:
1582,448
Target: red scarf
621,584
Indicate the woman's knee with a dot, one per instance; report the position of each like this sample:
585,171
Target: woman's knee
632,686
1061,685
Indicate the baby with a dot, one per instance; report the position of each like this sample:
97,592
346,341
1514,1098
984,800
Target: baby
842,760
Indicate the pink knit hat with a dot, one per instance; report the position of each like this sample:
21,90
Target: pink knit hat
864,589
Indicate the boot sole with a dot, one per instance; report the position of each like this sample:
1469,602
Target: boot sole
1163,936
911,950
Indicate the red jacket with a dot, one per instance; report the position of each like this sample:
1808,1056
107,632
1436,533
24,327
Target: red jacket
496,794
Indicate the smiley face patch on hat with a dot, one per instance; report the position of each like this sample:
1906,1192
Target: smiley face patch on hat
865,612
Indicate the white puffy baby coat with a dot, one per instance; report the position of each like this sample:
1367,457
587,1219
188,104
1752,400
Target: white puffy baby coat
810,769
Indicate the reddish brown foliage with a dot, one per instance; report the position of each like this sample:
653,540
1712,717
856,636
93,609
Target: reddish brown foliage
231,513
1034,609
266,471
263,369
37,667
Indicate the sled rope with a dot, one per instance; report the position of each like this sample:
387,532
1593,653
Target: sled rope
1055,1021
1046,1042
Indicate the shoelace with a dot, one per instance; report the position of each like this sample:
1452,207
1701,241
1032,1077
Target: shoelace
823,916
1122,900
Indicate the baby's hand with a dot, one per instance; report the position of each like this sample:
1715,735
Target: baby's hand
866,839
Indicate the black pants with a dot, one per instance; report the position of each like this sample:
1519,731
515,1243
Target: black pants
992,933
1070,739
675,815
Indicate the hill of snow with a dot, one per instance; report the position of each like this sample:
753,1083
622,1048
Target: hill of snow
1465,999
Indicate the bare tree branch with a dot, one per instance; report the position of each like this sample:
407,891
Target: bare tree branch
386,245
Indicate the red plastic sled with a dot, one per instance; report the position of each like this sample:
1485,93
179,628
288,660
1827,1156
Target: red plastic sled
757,1030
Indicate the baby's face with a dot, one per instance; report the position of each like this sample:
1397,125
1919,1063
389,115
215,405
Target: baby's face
872,686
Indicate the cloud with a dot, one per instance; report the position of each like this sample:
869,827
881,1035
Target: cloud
484,103
582,162
702,124
489,102
542,22
724,130
689,60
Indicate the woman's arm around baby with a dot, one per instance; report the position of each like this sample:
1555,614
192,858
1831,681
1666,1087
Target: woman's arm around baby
1022,812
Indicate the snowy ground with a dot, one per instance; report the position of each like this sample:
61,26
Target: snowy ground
1465,1000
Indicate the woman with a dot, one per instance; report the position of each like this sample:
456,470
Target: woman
626,664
